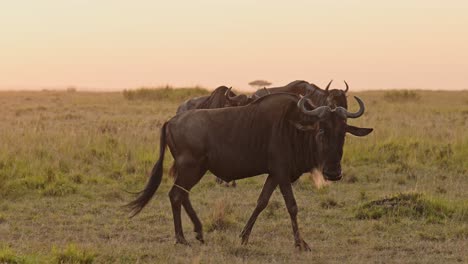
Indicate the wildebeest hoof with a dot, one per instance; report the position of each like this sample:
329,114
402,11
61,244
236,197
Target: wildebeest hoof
245,240
182,241
199,237
245,237
302,246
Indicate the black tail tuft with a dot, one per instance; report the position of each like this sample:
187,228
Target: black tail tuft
155,179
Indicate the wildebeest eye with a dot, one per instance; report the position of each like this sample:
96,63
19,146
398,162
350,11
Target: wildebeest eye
319,136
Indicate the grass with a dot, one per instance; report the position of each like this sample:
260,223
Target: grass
72,254
221,216
412,205
398,96
164,93
8,256
68,158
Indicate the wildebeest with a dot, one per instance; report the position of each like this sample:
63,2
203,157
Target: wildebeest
219,98
265,136
296,87
319,97
330,97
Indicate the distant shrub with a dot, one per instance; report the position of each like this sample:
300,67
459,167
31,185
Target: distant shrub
410,205
259,83
71,89
399,96
71,254
164,93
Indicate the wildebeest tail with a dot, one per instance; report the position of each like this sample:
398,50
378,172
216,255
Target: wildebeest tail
154,181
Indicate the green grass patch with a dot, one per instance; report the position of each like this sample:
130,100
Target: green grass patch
411,205
409,152
72,254
8,256
59,188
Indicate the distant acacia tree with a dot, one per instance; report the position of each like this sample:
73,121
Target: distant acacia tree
259,84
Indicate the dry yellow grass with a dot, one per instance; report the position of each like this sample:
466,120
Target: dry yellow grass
66,160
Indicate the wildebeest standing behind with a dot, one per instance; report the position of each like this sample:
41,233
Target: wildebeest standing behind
262,137
221,97
295,87
318,96
217,99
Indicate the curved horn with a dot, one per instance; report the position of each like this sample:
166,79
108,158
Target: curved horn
347,87
228,91
227,94
319,112
241,98
345,114
328,85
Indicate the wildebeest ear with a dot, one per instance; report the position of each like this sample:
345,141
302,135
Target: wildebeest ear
358,131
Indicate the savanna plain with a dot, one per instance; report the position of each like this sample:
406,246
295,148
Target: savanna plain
67,160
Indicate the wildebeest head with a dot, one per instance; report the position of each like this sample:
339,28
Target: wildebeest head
330,133
217,99
336,97
235,100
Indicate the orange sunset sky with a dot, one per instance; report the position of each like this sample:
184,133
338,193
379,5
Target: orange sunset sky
112,45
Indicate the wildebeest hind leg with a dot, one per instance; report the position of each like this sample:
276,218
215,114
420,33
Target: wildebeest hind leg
179,195
197,225
288,195
262,202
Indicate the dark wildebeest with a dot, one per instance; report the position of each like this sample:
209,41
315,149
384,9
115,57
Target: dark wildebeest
221,97
318,96
296,87
239,142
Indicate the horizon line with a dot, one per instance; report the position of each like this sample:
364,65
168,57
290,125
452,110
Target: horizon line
113,90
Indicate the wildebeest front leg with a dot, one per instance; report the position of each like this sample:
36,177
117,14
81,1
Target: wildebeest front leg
286,191
262,202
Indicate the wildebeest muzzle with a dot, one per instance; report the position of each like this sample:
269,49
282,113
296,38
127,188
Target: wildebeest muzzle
333,174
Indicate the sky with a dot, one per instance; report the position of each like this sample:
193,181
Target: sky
114,45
